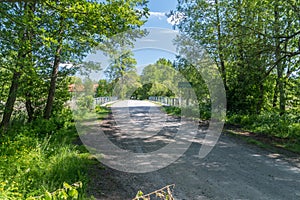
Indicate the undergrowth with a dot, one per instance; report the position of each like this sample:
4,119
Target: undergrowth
271,123
202,112
284,129
39,159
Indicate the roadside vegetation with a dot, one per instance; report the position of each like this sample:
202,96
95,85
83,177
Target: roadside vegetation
268,128
39,160
254,45
43,45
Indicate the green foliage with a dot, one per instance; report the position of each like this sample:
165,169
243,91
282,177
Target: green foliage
189,111
157,79
102,111
65,193
104,88
34,163
270,123
172,110
255,45
86,103
164,193
37,37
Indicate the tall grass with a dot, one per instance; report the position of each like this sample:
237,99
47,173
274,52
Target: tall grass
283,130
270,123
38,158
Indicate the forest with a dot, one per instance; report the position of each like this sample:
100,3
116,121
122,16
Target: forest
254,44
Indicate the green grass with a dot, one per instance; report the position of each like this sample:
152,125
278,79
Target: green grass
40,159
291,146
258,143
102,111
281,130
270,123
172,110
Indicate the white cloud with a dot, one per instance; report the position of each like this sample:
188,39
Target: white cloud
175,18
160,15
66,65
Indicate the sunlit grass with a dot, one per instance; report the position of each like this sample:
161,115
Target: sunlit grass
34,163
281,131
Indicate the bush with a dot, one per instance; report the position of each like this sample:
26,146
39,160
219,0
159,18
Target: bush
172,110
271,123
36,159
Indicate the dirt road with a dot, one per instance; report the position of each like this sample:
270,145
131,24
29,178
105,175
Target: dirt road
232,170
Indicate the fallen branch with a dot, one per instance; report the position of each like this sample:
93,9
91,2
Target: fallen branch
163,193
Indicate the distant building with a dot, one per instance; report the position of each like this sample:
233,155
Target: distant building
80,88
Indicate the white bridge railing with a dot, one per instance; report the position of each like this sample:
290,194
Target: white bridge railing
102,100
170,101
173,101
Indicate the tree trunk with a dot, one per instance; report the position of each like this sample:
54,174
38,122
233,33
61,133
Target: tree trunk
280,66
261,68
51,93
261,98
281,88
12,96
220,47
275,96
52,88
29,108
2,88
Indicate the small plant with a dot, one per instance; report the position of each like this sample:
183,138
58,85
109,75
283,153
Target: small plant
40,156
102,111
172,110
67,192
164,193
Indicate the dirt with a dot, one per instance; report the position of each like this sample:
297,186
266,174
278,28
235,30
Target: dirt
234,169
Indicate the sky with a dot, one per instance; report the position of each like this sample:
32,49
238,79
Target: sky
156,45
158,8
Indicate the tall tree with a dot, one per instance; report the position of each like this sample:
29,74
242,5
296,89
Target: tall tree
17,28
37,37
122,62
256,42
90,22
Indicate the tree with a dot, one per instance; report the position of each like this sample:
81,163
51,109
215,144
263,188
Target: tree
37,37
122,67
158,79
254,43
103,88
87,29
18,44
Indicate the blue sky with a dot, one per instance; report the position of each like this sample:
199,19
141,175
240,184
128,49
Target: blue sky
158,8
157,19
161,38
162,5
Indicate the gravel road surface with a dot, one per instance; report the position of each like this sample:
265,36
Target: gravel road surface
232,170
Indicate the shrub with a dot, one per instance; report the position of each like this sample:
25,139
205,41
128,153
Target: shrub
37,158
271,123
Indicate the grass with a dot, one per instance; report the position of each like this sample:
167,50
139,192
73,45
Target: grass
269,123
250,140
269,143
39,161
102,111
172,110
